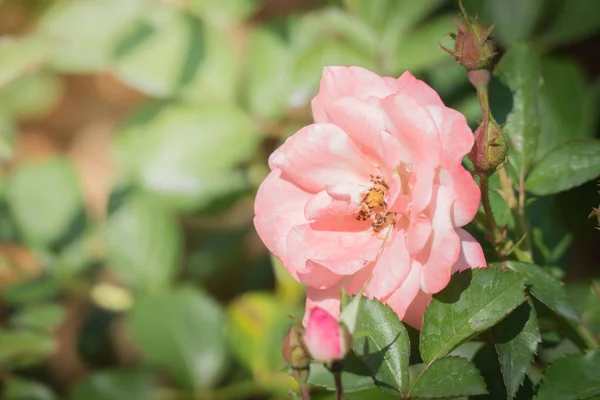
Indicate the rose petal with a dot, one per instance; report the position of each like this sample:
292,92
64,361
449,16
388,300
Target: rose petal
414,127
277,208
416,310
401,298
419,232
471,253
445,244
323,206
417,89
391,268
320,155
460,181
342,251
364,122
328,299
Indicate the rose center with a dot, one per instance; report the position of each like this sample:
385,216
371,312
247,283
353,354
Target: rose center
374,207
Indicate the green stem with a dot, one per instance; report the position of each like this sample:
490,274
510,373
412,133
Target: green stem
517,209
490,221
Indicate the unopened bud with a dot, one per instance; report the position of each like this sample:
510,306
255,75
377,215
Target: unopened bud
472,47
326,339
296,355
490,148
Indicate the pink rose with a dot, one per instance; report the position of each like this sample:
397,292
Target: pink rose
373,194
325,339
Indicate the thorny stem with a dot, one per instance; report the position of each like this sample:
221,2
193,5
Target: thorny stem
480,80
490,221
517,209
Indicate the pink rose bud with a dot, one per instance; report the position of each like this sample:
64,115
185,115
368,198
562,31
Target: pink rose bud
326,339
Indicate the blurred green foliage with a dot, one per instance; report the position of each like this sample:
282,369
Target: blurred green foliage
167,285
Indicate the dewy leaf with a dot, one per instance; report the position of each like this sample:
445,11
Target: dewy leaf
183,332
381,342
116,384
571,378
516,338
446,377
545,288
45,200
567,105
569,165
143,242
519,70
473,301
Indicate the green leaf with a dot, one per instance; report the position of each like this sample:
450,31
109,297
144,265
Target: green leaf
143,242
420,49
116,385
367,394
513,19
567,105
268,74
519,70
258,323
31,96
98,24
572,378
516,339
20,55
381,342
573,20
446,377
45,200
34,290
42,316
569,165
23,389
182,332
545,288
161,54
221,13
219,75
187,154
24,348
350,313
472,302
355,376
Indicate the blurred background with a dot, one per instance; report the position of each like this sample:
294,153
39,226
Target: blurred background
133,137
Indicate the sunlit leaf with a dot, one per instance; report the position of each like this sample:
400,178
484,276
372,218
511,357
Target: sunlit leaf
446,377
143,242
545,288
97,23
160,54
571,378
187,153
519,69
116,385
45,199
569,165
182,332
472,302
516,339
21,55
23,389
381,342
